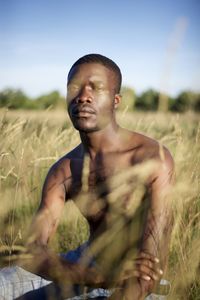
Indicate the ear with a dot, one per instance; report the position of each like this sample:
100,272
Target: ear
117,100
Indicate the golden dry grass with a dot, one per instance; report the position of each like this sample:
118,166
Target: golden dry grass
32,141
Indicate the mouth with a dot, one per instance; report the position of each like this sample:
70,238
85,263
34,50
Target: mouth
83,112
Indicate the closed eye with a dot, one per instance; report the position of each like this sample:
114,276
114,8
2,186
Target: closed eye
72,87
98,86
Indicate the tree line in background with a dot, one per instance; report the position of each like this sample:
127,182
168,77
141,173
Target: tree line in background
150,100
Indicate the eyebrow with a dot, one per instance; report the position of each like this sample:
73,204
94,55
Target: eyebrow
72,81
78,82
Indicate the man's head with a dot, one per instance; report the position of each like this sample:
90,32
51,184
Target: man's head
93,87
104,61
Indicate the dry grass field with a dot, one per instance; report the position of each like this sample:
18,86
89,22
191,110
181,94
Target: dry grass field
32,141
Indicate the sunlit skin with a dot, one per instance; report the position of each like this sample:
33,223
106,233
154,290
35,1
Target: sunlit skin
92,101
86,85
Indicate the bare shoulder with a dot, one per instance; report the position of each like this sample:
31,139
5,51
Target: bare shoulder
59,174
147,148
61,168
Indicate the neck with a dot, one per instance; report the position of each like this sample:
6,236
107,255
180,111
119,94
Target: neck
101,141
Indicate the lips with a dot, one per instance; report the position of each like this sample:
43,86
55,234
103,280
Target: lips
83,111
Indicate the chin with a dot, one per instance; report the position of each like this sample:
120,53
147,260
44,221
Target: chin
85,127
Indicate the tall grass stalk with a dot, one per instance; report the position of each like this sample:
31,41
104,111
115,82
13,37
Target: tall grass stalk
31,143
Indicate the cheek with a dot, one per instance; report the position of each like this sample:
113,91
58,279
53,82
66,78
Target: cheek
105,104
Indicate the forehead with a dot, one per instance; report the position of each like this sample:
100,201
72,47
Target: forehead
91,71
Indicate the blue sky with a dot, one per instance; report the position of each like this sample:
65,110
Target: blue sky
155,43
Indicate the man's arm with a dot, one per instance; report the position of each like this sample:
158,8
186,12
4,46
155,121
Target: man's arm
157,230
45,262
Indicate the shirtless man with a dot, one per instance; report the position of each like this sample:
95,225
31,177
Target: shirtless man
93,89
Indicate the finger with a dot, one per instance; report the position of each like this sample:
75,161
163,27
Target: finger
146,271
141,271
142,264
148,263
148,256
134,273
138,274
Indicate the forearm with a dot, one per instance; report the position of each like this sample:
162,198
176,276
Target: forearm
52,267
156,240
133,289
62,271
159,222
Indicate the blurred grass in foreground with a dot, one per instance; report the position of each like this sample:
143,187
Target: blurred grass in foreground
32,141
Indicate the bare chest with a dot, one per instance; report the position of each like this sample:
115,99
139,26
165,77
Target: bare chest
96,178
94,187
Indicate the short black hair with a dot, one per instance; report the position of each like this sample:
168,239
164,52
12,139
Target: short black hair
103,60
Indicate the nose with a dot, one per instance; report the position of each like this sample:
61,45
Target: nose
85,95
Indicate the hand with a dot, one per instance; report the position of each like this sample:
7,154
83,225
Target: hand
145,266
